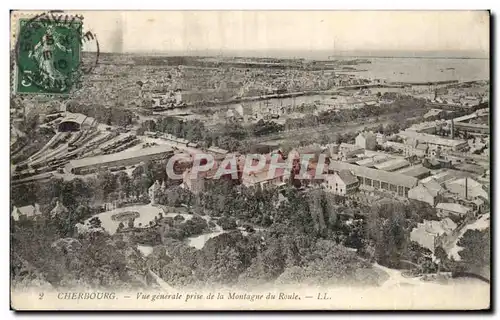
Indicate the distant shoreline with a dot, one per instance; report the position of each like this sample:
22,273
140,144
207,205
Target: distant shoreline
409,57
284,57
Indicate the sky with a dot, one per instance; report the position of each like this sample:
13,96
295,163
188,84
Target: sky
335,31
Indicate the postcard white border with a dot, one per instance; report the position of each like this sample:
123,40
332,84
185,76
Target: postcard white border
191,4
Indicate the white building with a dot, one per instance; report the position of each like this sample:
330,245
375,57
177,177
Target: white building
426,192
25,212
366,140
433,142
153,192
178,97
341,183
467,188
194,184
430,234
452,209
59,210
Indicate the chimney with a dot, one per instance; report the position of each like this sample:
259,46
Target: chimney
452,129
466,189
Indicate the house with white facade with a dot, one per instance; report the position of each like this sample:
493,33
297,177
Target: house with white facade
28,212
453,210
342,183
366,140
430,234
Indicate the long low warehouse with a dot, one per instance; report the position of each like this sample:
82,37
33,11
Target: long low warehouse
125,158
398,183
473,127
433,140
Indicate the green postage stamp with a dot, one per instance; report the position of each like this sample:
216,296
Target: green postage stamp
49,54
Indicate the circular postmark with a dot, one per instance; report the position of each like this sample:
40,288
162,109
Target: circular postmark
50,53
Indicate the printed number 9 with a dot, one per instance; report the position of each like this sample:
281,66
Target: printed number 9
40,296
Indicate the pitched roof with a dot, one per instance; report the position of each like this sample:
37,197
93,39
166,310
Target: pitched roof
347,177
469,167
474,188
102,159
440,177
478,201
453,207
218,150
264,174
433,185
420,189
438,227
431,139
433,112
422,146
434,162
311,149
415,171
74,117
374,174
28,211
58,209
349,146
155,186
366,134
392,164
369,162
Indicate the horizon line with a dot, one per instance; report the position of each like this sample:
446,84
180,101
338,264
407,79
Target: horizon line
237,53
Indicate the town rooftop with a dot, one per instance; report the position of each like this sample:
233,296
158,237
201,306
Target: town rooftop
90,161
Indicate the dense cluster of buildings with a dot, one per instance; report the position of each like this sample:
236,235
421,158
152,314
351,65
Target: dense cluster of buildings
422,172
427,168
429,162
193,85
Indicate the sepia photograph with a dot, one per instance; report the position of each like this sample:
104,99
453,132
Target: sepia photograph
250,160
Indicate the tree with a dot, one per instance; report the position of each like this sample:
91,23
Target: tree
121,226
441,256
387,227
95,223
266,127
106,182
124,183
227,223
324,139
235,130
194,226
330,264
476,250
179,218
317,203
131,223
149,125
226,268
177,274
229,143
138,172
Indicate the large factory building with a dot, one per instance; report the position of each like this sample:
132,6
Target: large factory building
120,159
394,182
75,122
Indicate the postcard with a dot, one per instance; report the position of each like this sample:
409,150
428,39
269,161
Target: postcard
250,160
